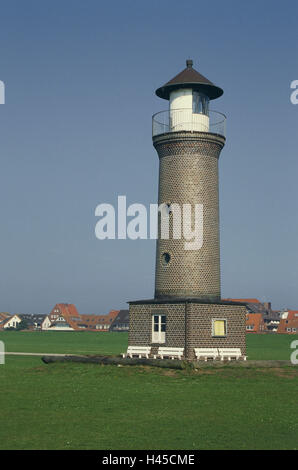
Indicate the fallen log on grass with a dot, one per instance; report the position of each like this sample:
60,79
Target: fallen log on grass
117,360
165,363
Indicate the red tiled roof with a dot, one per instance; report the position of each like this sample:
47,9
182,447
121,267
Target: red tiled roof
67,311
92,322
247,301
292,314
8,318
288,323
255,320
4,315
83,321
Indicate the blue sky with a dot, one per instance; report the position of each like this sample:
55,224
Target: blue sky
76,131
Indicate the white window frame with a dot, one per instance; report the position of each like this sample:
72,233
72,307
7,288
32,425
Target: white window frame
159,337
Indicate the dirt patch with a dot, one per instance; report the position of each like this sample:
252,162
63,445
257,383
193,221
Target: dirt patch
281,372
207,371
169,373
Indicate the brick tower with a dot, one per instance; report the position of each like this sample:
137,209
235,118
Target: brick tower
187,310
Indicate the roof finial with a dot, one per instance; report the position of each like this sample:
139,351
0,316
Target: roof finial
189,63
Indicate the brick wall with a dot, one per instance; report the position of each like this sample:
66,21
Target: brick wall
140,324
199,327
188,323
188,174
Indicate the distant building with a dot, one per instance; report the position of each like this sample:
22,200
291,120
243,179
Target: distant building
289,322
4,316
46,323
62,318
272,321
254,305
96,322
255,323
33,321
121,321
10,322
271,318
65,317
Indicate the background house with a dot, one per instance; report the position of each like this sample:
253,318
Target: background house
96,322
46,323
62,318
289,322
270,318
121,321
3,317
254,305
255,323
10,322
65,317
32,321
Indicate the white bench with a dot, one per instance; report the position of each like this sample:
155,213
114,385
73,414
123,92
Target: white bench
206,353
141,351
169,352
230,352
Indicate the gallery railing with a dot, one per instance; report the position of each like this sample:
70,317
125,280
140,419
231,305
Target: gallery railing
177,120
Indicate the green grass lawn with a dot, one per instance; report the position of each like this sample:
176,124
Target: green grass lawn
271,346
68,342
87,406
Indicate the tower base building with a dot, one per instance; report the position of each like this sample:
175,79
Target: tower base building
187,311
187,323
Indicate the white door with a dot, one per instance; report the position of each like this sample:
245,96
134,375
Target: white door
158,328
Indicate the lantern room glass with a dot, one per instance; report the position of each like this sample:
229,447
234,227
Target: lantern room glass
200,103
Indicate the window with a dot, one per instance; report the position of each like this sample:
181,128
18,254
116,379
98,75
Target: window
158,328
200,103
219,327
165,209
165,259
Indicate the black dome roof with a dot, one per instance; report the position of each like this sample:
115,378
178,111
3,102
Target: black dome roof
189,78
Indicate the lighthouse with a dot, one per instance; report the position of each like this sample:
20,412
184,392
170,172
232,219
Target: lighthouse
187,311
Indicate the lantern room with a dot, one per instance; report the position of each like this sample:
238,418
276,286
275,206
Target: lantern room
189,94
